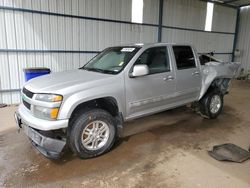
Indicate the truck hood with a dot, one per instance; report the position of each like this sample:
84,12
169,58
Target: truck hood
67,81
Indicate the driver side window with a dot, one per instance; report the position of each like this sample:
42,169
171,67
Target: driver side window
156,59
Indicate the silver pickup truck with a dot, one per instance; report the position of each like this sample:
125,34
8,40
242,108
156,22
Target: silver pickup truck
85,109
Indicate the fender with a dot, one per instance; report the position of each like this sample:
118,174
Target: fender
76,99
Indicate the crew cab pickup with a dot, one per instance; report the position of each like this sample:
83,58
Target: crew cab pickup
85,109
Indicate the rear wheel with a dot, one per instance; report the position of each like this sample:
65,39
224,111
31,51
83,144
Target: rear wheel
93,133
211,104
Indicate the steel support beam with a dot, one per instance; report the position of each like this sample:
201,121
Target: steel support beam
236,32
160,20
231,1
47,51
9,90
245,5
218,3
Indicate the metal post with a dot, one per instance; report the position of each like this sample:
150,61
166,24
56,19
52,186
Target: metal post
160,20
236,32
9,90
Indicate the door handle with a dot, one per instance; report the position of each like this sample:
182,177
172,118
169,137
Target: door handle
195,73
168,78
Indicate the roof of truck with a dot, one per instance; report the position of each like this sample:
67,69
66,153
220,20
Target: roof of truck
151,44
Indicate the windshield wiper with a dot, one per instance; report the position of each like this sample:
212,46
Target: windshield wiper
99,70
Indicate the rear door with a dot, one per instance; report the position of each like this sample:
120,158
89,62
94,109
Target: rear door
188,76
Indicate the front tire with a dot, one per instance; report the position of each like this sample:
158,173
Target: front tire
92,133
211,104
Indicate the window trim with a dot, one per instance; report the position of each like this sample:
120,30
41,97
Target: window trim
195,62
169,60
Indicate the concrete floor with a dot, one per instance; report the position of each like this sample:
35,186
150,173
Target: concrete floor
164,150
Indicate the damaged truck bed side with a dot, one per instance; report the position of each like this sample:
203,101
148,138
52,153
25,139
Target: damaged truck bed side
217,74
84,109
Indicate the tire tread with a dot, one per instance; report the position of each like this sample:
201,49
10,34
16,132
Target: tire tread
78,122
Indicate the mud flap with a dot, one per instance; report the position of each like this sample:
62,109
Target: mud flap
229,152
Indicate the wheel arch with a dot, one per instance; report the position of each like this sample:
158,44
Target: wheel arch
220,83
108,104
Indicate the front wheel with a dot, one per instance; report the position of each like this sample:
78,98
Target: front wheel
92,133
211,104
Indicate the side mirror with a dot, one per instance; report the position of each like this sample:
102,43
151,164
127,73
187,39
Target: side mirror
140,70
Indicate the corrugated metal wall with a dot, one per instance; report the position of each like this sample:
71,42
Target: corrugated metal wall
43,33
191,15
243,41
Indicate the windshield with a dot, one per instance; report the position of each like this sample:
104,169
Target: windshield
111,60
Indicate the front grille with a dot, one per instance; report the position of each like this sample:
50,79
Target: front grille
27,105
28,93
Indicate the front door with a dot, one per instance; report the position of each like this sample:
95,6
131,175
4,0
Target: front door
150,93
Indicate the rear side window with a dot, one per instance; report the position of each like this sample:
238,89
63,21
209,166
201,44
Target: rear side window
184,57
156,59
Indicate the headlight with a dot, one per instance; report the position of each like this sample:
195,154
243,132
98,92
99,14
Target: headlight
45,113
49,113
48,97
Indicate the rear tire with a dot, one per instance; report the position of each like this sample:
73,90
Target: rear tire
92,133
211,104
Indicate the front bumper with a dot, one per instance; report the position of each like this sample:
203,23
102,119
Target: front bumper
49,146
40,124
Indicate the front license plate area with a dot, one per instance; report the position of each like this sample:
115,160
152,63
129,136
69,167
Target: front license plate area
34,136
